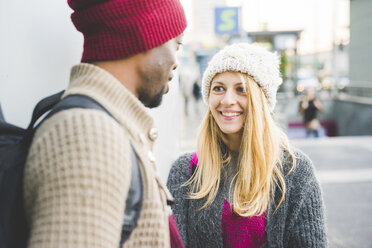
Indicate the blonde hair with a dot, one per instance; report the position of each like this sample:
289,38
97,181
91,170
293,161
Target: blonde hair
259,163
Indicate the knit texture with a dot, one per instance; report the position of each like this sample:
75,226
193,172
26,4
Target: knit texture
115,29
298,222
78,171
239,232
254,60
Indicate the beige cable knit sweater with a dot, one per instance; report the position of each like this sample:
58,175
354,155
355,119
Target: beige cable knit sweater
78,170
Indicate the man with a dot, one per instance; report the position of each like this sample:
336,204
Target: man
79,166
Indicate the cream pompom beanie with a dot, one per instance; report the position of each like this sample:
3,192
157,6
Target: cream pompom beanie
254,60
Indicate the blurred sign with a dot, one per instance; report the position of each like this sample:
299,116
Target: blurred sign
226,20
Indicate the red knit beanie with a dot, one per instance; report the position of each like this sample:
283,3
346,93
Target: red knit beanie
115,29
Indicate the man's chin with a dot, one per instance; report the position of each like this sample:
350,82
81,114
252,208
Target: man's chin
152,101
154,104
156,100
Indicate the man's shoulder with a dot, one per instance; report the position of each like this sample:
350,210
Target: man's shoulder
78,117
75,122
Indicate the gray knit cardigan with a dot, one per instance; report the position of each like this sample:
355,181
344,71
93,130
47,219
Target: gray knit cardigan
298,222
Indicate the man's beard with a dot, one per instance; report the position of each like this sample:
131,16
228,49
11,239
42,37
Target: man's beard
148,101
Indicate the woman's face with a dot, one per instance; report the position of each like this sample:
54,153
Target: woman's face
228,102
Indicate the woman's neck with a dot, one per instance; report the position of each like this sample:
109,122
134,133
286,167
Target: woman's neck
233,141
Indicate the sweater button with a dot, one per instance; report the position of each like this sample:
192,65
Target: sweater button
153,134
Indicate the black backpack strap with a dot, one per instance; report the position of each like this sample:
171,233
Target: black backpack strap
44,106
54,104
77,101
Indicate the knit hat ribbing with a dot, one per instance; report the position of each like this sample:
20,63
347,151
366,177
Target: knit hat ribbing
254,60
115,29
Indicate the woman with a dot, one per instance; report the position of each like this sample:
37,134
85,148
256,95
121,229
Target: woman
310,106
245,186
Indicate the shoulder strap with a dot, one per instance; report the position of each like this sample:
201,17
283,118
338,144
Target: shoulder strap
44,106
54,104
77,101
193,163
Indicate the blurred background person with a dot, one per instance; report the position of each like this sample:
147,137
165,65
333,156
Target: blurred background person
190,87
196,92
310,105
186,87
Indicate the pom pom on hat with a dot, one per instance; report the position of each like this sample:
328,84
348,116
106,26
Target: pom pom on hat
254,60
115,29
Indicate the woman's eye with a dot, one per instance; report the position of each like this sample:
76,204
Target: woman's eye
218,88
241,89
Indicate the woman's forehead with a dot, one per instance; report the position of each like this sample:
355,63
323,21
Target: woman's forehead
228,78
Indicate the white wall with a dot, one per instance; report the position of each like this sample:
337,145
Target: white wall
38,46
360,42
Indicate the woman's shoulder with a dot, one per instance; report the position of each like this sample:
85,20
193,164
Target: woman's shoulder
184,158
180,170
182,162
303,170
